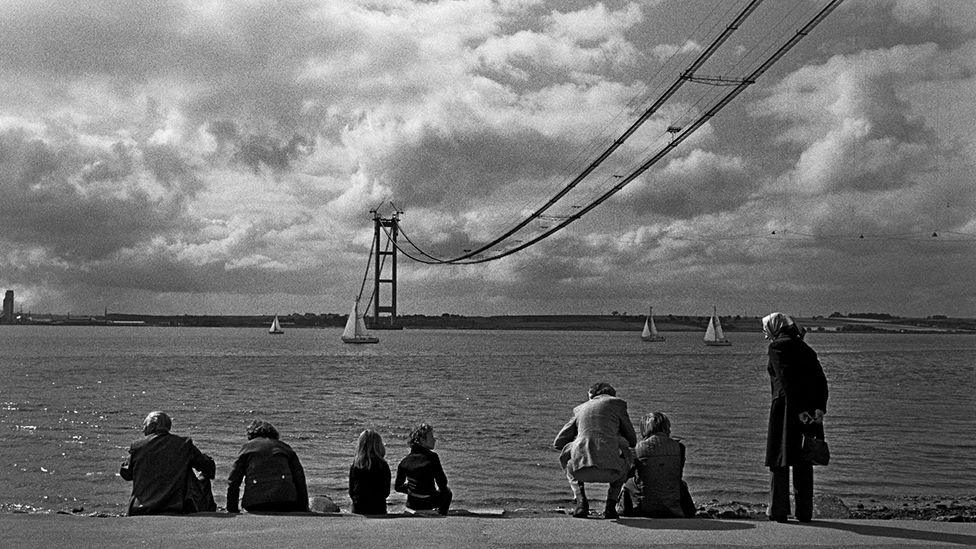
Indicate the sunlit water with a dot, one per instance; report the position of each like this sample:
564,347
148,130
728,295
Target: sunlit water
901,419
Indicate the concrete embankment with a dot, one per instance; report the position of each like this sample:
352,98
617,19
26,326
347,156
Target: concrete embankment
343,530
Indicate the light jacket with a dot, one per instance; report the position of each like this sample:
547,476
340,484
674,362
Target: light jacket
597,436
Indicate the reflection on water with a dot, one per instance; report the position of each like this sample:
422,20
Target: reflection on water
901,418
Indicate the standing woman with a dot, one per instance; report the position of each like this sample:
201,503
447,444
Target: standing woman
275,477
799,393
369,475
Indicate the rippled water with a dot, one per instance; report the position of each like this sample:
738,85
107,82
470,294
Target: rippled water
901,419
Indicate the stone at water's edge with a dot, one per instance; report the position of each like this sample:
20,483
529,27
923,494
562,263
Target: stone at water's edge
826,506
323,504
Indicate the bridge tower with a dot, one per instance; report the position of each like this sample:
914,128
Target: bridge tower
385,231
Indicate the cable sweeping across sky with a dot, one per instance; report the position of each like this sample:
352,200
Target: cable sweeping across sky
680,133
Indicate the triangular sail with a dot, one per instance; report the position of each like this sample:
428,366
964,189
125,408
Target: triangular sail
653,328
350,331
719,334
647,330
710,331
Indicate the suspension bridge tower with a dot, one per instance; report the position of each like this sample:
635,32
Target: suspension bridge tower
385,231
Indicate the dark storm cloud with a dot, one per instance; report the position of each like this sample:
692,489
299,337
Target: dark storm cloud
53,197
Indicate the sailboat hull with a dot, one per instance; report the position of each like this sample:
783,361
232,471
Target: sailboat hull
360,339
723,343
652,338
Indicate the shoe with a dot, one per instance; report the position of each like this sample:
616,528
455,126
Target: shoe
582,509
778,518
610,511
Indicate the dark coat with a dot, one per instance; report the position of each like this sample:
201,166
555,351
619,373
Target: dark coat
598,436
798,384
369,488
159,467
420,476
275,478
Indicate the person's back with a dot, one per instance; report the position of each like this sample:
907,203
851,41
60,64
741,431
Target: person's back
660,460
369,475
657,489
420,475
159,467
275,477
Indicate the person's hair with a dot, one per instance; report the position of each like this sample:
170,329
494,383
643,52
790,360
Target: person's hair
156,422
602,388
418,434
263,429
655,422
369,450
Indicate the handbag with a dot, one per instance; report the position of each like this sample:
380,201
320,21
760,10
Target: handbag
815,450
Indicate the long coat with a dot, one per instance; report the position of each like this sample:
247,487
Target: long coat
275,477
597,434
798,384
159,467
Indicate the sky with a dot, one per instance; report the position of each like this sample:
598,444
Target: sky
223,157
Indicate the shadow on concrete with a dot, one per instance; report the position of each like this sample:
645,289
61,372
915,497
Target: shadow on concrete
684,524
895,532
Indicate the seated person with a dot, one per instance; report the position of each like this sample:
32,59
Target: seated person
596,446
369,475
657,489
275,478
161,468
421,476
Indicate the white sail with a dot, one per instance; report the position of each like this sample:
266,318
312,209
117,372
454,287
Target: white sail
355,331
650,329
719,334
351,322
275,327
714,334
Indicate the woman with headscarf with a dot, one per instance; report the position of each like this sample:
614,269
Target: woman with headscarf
799,402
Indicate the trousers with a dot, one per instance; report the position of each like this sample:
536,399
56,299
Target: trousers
779,491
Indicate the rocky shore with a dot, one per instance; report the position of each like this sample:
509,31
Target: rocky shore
948,509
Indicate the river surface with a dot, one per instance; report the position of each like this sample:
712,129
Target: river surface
901,418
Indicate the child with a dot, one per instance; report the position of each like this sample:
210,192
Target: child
421,476
369,476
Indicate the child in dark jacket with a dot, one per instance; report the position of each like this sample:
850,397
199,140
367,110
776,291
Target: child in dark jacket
421,476
369,475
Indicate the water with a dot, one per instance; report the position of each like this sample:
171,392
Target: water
901,418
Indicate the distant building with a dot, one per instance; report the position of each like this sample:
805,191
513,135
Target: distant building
8,308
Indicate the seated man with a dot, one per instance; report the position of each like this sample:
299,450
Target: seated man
657,489
160,467
596,446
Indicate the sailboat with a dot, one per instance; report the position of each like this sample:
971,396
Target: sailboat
650,330
275,327
714,335
355,331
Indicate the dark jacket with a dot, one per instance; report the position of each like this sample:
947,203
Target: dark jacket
658,470
159,467
798,384
421,477
369,488
275,478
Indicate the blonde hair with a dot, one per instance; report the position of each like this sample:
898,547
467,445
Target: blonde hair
369,449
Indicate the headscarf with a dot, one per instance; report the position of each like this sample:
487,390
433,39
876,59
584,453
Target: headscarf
601,388
776,324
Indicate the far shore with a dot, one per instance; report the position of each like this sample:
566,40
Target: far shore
621,322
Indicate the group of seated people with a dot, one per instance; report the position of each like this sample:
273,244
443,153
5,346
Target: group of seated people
599,444
170,474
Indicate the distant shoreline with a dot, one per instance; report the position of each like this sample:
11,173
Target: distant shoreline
614,322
